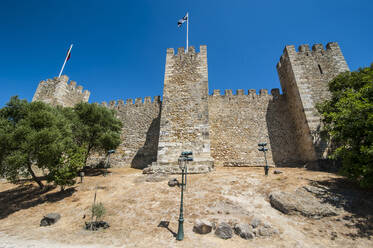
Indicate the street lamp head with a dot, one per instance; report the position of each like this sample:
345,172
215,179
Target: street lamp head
262,144
263,149
111,151
186,153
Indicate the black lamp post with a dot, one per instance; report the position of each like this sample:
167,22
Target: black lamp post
107,165
263,149
184,158
81,174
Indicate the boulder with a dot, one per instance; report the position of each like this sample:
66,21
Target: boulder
173,182
202,226
255,222
267,231
50,219
300,202
245,231
224,231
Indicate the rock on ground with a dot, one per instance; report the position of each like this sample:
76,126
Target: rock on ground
255,222
224,231
202,226
50,219
267,231
173,182
300,202
245,231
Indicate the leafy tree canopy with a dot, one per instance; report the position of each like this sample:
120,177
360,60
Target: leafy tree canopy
348,121
33,135
95,127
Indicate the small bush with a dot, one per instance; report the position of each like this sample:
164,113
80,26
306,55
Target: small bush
98,210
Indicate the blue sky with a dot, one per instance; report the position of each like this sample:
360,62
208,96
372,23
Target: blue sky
120,46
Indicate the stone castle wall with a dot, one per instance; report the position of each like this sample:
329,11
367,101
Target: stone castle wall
184,120
304,77
239,122
219,129
58,91
140,132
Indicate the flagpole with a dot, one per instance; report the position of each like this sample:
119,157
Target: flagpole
67,55
187,31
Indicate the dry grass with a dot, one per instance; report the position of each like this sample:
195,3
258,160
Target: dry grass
136,207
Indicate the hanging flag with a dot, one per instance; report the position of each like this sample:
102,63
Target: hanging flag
66,59
181,21
68,55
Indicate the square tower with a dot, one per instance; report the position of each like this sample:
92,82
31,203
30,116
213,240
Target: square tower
57,91
304,77
184,116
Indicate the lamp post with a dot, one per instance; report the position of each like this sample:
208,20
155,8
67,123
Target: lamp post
263,149
107,165
81,174
184,158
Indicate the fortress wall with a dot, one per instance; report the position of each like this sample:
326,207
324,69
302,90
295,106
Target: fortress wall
304,77
58,91
140,132
184,120
239,122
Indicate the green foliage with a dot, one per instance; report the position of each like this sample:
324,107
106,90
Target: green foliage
348,121
57,140
35,135
95,127
98,210
64,173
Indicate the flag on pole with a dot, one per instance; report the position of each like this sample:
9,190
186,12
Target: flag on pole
68,55
66,59
181,21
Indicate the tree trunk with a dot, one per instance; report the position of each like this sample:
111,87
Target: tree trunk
89,148
34,176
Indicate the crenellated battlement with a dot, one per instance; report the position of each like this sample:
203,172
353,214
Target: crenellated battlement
304,75
130,102
225,127
331,49
251,92
182,53
59,91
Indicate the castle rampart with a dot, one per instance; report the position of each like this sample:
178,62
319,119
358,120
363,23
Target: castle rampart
304,77
140,132
225,127
58,91
239,122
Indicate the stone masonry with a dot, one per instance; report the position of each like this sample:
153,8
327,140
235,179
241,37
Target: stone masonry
220,129
304,77
58,91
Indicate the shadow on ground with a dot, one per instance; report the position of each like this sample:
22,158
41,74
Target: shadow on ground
26,196
165,224
343,194
93,172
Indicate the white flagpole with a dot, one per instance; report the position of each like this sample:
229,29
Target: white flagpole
67,55
187,31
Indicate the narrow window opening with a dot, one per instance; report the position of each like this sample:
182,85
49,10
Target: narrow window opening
320,69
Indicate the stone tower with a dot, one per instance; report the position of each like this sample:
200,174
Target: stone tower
57,91
304,77
184,119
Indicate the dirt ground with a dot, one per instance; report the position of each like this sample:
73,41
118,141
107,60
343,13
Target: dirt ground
136,207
